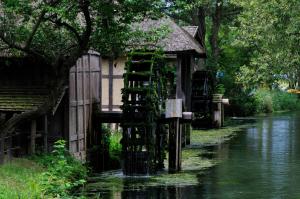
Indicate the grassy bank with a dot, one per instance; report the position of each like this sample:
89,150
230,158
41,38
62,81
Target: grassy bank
55,175
21,178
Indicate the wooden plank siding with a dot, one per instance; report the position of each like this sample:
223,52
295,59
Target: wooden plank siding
85,83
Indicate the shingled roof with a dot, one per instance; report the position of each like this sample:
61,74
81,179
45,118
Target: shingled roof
20,99
178,38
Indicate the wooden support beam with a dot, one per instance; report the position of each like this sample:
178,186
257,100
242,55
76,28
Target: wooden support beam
188,134
174,146
179,151
32,137
83,74
45,134
2,148
222,115
179,93
110,82
217,115
9,146
175,130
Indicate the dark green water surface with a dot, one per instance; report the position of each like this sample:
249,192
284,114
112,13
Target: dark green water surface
263,161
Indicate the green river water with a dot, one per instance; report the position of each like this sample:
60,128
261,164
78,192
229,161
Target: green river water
263,161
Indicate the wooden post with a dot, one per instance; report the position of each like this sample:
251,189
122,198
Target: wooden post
111,81
45,134
9,146
188,134
217,101
174,112
179,134
32,137
183,135
83,72
2,148
174,146
222,114
189,98
218,115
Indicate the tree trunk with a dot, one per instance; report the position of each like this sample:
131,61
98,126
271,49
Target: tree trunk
214,38
198,19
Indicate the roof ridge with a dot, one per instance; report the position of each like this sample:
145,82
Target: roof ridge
189,36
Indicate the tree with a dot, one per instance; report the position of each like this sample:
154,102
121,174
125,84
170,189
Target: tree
58,32
211,17
271,29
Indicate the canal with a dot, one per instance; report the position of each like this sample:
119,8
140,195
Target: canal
263,161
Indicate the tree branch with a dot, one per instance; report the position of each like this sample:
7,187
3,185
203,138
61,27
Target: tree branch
20,48
34,29
84,6
70,28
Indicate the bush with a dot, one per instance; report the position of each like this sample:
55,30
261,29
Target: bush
115,148
264,101
241,104
112,142
64,174
269,101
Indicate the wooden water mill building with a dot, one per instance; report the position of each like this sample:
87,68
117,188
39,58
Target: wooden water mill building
183,51
94,80
25,85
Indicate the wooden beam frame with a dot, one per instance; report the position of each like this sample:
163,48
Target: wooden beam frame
32,136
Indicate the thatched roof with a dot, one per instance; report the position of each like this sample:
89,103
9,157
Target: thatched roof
192,30
177,40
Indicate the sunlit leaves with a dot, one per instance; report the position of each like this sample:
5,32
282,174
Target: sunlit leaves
272,28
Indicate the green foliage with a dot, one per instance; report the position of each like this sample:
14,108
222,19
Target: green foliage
55,28
55,175
220,88
20,178
64,174
271,30
115,147
270,101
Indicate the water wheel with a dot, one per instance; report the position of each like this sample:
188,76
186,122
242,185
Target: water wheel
142,103
202,93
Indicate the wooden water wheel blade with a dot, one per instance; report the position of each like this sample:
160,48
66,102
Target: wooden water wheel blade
136,142
137,124
140,66
139,102
138,76
135,90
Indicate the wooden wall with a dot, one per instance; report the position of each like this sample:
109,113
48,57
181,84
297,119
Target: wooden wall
85,90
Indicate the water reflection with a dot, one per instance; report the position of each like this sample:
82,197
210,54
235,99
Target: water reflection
262,162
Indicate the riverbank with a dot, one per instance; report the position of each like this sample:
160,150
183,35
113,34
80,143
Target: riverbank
20,179
196,160
25,178
54,175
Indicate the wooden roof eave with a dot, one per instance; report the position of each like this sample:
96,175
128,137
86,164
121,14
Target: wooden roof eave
191,52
